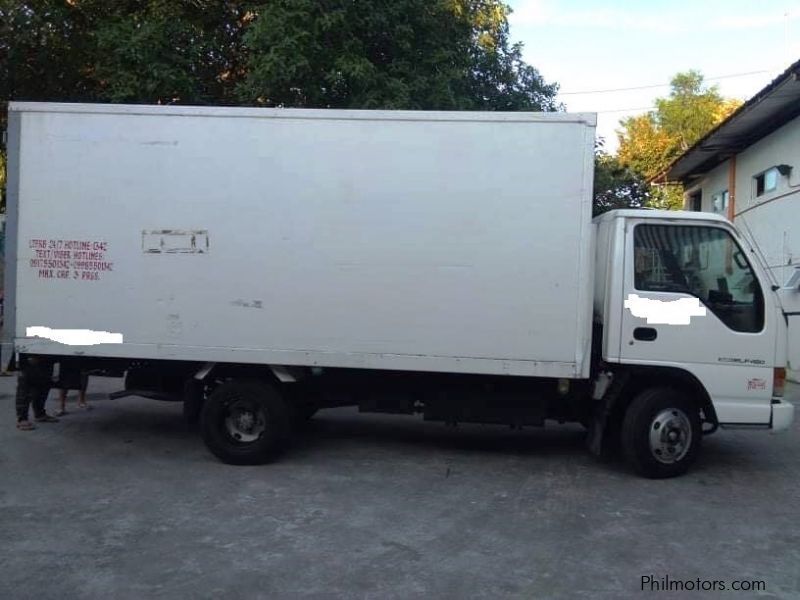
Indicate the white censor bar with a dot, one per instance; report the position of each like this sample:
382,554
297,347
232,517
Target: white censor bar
75,337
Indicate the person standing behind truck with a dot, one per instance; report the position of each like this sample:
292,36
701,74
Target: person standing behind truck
33,385
70,377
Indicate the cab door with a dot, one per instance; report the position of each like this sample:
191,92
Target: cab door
693,300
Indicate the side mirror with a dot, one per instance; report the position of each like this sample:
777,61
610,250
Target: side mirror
794,281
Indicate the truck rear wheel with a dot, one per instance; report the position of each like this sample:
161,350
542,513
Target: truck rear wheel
661,433
245,422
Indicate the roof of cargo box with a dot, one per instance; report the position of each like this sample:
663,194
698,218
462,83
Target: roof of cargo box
589,119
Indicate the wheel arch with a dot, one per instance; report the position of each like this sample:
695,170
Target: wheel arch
643,377
274,374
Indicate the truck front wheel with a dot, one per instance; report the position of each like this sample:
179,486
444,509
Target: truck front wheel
661,433
245,422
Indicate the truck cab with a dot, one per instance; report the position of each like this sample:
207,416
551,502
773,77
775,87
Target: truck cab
682,293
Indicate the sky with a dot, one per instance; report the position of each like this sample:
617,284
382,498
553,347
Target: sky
587,46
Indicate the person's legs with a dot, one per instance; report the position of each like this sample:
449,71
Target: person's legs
39,399
40,379
82,392
33,387
62,399
22,402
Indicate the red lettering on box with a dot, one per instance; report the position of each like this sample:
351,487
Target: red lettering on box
79,260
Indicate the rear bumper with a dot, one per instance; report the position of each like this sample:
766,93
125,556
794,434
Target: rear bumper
782,415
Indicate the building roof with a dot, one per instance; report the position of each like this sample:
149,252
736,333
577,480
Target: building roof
769,109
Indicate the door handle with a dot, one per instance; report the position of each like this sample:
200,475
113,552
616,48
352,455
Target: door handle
645,334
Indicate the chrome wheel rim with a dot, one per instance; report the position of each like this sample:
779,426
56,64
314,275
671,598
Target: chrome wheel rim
245,422
670,435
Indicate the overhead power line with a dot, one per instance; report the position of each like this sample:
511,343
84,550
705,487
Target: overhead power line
658,85
773,96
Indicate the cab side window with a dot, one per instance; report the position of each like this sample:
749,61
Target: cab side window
704,262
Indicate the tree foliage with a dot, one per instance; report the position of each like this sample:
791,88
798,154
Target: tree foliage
691,110
649,143
171,52
383,54
413,54
126,50
615,185
339,53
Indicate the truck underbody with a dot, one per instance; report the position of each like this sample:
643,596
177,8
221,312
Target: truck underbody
449,397
248,412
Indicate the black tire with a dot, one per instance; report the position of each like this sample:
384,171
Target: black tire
661,433
245,422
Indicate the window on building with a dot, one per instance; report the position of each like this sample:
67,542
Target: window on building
766,181
696,201
719,202
704,262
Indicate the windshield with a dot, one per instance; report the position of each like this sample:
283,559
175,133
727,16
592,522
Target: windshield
702,261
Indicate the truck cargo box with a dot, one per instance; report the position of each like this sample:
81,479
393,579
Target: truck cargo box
426,241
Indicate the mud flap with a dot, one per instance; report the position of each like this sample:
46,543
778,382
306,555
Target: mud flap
602,429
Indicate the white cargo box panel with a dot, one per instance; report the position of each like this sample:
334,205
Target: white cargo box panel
454,242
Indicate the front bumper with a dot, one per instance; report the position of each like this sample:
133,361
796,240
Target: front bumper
782,415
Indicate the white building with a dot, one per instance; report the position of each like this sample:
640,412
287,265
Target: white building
748,168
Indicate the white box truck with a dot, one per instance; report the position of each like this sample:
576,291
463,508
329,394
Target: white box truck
260,264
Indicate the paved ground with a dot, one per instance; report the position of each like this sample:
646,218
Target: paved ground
125,502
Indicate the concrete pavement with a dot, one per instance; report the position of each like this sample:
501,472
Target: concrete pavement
125,502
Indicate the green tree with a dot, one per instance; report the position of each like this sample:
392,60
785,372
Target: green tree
44,49
163,51
649,143
498,78
388,53
153,51
401,54
616,186
691,110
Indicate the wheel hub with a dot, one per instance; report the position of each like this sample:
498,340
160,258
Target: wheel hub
244,423
670,435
